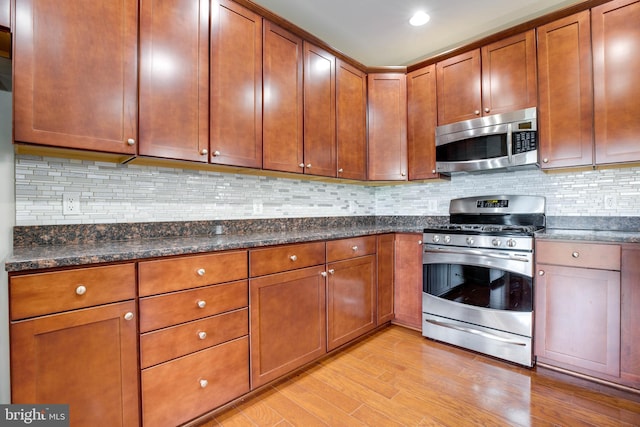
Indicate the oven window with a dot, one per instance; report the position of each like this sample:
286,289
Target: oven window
478,148
479,286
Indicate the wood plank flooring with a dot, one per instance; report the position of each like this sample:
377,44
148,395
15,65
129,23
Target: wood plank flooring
396,377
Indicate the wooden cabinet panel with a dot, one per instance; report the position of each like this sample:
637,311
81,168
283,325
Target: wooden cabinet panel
86,358
565,87
5,13
75,78
577,320
288,322
630,316
236,85
174,274
351,121
616,65
387,127
180,390
458,86
286,257
319,111
174,79
509,80
408,280
350,248
283,106
45,293
169,309
351,299
386,264
576,254
422,119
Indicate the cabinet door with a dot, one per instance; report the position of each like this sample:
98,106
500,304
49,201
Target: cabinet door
408,280
87,358
5,13
288,322
577,321
458,85
75,74
386,263
387,127
509,74
422,120
616,66
283,106
630,315
174,79
351,121
236,85
319,111
566,92
351,299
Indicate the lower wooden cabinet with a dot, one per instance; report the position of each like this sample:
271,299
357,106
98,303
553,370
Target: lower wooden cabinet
408,280
630,316
386,263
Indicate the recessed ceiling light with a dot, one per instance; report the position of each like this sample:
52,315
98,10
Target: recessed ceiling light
419,18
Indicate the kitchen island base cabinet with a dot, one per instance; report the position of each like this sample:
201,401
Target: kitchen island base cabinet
86,358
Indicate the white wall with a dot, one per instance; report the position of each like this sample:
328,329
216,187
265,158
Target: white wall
7,213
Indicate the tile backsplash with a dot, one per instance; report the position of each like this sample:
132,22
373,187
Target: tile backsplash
115,193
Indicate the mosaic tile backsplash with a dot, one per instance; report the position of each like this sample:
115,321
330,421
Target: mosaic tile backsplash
115,193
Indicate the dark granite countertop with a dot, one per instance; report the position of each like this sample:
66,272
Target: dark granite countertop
590,235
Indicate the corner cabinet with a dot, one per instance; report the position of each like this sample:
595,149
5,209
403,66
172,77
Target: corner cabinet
407,298
385,253
75,81
422,118
89,309
387,126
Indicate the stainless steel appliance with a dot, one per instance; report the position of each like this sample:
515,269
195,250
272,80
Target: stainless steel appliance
491,142
478,276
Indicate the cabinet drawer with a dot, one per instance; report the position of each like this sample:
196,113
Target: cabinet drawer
180,390
575,254
350,248
45,293
284,258
171,343
175,274
167,310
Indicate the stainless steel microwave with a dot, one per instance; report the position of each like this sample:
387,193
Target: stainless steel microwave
491,142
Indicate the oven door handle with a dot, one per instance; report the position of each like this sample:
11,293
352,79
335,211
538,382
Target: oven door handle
475,332
484,253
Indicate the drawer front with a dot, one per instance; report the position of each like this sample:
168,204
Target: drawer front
53,292
171,309
285,258
171,343
577,254
350,248
175,274
180,390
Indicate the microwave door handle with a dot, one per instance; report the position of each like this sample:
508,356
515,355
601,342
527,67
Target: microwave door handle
510,143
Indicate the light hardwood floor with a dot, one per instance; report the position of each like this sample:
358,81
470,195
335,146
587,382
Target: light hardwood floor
396,377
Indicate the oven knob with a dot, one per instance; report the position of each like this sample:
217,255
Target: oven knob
511,243
435,238
447,239
496,242
470,240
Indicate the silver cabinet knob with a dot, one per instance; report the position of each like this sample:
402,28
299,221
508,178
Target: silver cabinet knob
419,242
323,273
202,303
131,141
575,254
204,383
541,273
309,165
545,160
216,153
433,171
128,316
403,174
486,110
301,165
81,290
340,170
331,271
293,258
201,272
476,112
204,151
354,248
202,335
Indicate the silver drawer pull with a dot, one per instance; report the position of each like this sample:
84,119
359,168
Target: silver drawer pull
204,383
202,303
128,316
575,254
201,272
202,335
293,258
81,290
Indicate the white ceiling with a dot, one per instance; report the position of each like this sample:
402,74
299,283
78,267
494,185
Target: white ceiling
377,32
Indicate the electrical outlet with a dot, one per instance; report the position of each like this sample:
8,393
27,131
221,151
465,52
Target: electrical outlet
71,203
352,206
610,202
257,206
432,205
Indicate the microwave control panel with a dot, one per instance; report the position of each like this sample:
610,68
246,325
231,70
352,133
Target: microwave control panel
524,141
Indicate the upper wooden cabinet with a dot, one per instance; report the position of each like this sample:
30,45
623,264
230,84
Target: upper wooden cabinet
174,79
236,85
351,121
565,111
75,78
319,111
616,66
387,126
497,78
5,13
422,121
282,107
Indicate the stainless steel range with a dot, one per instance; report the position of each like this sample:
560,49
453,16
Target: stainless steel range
478,276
